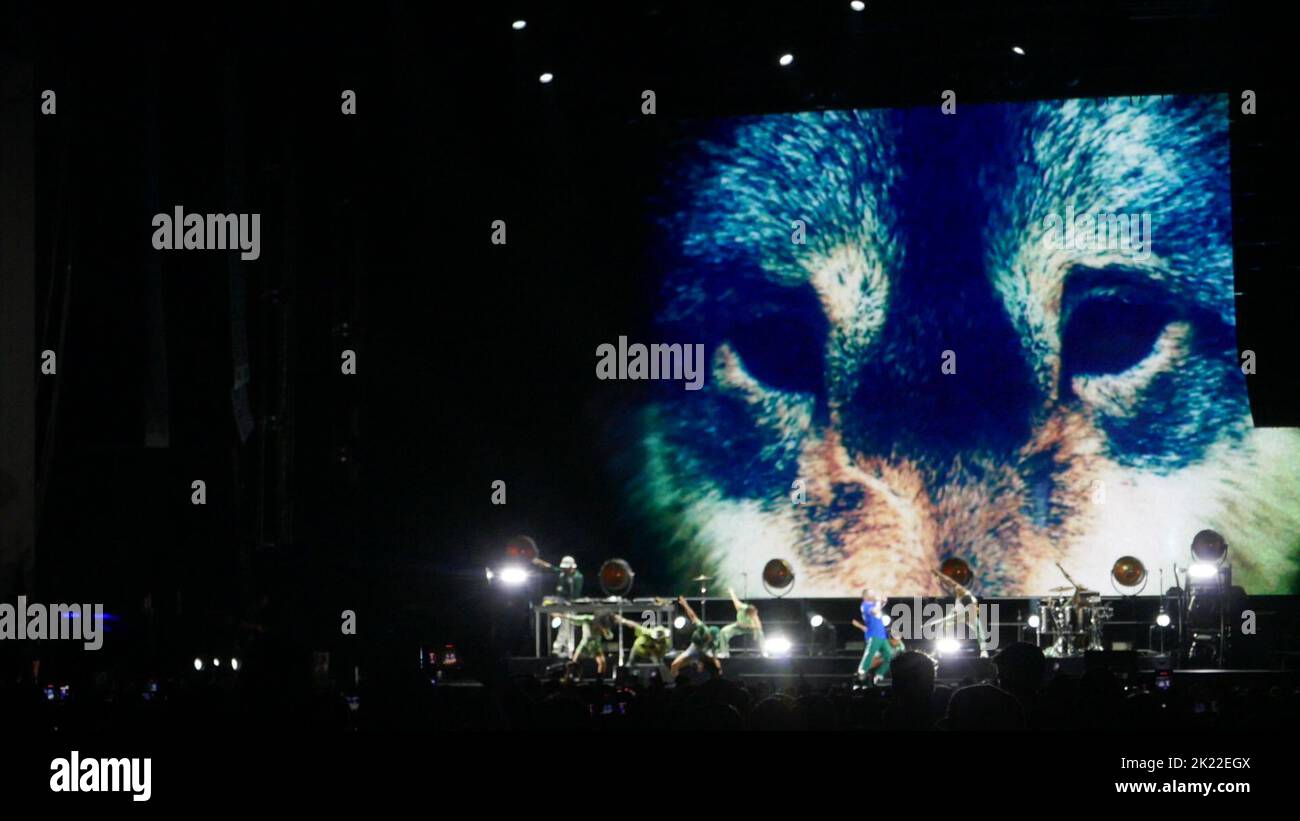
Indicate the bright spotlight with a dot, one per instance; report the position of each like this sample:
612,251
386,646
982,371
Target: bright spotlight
490,574
858,5
679,622
816,620
1034,621
1018,50
1163,619
786,59
1209,546
556,622
216,662
514,575
1203,570
519,25
947,647
777,646
546,77
234,664
198,664
885,619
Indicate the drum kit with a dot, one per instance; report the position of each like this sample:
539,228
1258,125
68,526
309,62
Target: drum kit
1073,619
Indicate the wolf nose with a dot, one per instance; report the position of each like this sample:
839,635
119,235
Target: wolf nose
941,397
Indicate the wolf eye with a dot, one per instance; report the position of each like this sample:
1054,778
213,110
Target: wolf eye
1110,334
783,350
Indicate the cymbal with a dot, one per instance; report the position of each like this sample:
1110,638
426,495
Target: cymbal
1065,588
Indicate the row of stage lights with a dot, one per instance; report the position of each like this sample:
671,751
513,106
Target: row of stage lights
1128,574
784,61
199,664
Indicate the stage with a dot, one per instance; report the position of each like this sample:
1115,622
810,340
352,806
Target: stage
816,637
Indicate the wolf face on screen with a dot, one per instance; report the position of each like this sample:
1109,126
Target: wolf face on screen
927,375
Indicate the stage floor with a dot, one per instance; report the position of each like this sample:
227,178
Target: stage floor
1131,666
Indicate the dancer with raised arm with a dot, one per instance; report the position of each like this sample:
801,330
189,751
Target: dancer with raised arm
747,623
704,642
877,636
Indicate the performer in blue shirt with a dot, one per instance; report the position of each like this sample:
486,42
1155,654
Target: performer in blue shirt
877,636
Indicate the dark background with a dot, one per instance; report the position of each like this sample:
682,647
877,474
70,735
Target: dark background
372,492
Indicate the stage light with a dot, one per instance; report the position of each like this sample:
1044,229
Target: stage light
519,25
234,664
786,59
858,5
778,577
1202,570
1018,50
1128,575
679,622
947,647
885,619
822,636
546,77
1034,621
958,570
777,646
522,548
216,662
615,577
1209,547
1163,619
513,575
198,664
556,621
490,574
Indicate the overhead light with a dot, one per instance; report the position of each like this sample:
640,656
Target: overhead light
519,25
786,59
216,662
198,664
514,575
1018,50
234,664
546,77
1163,619
1034,621
858,5
816,620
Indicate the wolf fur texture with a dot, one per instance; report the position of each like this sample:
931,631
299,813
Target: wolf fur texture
926,376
